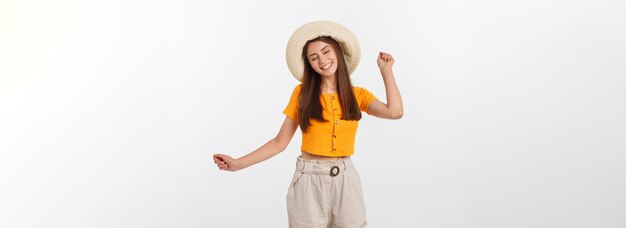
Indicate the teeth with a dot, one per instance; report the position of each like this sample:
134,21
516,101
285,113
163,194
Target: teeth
327,66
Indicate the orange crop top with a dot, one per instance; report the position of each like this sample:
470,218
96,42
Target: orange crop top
334,138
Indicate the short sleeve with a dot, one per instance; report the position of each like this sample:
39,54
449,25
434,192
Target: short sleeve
364,97
291,110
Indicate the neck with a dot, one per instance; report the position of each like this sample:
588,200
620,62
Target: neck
329,83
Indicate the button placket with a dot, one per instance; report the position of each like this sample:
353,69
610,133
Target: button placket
334,108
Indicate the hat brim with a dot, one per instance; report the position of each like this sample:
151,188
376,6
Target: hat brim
346,39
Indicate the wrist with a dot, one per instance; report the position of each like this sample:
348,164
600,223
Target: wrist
386,70
239,164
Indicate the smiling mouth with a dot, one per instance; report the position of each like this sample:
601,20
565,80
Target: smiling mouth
327,66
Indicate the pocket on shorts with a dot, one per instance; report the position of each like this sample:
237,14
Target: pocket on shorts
295,178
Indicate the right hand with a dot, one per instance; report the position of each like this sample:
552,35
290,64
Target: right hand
225,162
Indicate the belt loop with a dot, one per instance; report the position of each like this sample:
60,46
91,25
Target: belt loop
308,167
345,166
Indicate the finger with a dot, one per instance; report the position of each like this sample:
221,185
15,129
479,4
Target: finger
220,157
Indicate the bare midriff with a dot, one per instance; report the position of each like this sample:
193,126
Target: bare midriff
309,156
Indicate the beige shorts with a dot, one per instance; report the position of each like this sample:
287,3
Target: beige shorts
325,194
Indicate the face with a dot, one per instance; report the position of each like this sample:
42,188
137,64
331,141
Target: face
322,58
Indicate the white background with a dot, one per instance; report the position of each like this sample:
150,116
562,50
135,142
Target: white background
110,112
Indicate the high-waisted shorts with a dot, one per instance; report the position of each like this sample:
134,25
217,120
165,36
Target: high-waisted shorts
325,193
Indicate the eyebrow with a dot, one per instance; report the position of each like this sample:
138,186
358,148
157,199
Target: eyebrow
320,50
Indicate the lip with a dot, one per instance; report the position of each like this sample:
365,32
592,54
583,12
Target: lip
327,66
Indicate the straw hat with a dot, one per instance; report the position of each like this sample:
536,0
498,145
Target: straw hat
346,39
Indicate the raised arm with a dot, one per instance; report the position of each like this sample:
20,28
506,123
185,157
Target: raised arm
268,150
393,109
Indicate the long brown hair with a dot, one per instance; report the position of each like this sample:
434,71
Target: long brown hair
310,106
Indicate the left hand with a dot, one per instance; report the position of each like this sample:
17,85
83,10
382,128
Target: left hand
385,61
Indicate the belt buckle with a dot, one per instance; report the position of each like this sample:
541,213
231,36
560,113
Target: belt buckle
333,172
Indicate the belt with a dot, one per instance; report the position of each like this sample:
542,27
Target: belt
330,167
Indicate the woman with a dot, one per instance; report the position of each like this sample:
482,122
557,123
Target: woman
325,190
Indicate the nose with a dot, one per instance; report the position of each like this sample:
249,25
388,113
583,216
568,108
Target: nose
321,64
